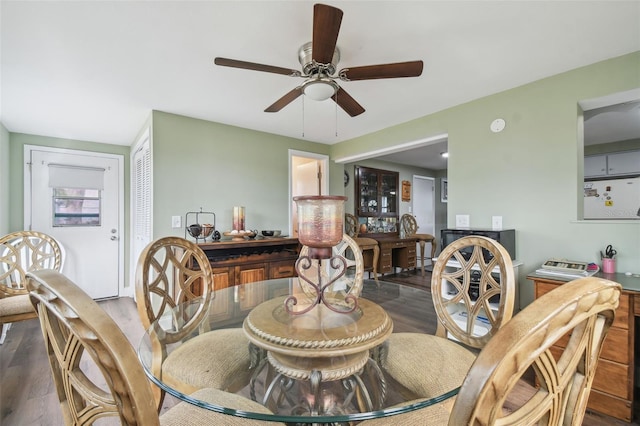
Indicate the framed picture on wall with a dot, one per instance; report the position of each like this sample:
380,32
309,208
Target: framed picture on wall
444,191
406,190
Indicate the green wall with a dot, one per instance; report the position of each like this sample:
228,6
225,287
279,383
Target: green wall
4,180
202,164
530,173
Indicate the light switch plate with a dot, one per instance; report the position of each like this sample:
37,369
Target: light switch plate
496,223
176,221
462,221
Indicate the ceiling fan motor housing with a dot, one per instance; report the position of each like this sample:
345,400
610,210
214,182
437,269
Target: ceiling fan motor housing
310,67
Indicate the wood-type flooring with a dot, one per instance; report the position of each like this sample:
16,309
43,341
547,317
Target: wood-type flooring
27,394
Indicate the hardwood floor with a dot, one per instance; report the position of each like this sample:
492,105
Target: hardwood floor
27,395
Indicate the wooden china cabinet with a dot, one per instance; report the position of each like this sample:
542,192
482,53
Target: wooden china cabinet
377,200
376,208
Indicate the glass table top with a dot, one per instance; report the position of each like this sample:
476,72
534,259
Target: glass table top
328,360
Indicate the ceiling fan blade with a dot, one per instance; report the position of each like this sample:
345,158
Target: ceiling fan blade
371,72
347,103
225,62
285,100
326,25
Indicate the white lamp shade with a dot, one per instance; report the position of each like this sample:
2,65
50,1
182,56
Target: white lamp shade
319,90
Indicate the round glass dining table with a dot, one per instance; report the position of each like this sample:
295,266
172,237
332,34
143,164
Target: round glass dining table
340,375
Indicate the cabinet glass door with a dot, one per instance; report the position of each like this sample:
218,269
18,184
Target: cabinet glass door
389,189
368,192
377,200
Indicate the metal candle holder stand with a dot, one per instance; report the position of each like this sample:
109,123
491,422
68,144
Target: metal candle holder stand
198,232
336,263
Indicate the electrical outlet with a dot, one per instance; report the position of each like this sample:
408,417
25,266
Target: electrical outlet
496,223
176,221
462,221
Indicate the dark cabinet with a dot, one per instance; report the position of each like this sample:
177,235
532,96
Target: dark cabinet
377,199
242,262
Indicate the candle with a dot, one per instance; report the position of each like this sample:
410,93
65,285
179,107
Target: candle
320,223
238,218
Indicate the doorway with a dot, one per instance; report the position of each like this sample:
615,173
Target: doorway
308,175
423,205
77,198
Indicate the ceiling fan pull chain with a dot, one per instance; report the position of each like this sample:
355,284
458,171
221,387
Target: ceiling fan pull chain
303,116
336,106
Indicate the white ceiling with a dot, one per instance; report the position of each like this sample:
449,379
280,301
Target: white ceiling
93,70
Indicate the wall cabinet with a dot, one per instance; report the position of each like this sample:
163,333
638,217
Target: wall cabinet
595,165
614,164
376,199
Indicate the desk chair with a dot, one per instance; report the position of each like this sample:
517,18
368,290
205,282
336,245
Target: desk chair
22,252
410,226
584,309
172,271
351,228
96,371
465,296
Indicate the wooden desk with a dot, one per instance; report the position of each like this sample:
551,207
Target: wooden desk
396,252
613,385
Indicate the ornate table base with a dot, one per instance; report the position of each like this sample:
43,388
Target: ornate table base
321,357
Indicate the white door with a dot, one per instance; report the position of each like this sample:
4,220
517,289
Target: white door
141,202
424,207
308,176
74,196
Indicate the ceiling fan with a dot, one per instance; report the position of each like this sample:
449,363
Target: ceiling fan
319,59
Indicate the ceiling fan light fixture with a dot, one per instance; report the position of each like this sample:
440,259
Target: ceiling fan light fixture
319,89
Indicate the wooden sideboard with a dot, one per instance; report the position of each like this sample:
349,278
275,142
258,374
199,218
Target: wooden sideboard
242,262
613,385
396,252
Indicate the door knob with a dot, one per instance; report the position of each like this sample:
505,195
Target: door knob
113,238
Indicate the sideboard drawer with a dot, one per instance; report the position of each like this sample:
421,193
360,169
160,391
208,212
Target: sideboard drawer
610,405
612,378
283,269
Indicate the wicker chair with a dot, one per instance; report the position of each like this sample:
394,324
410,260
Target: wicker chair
172,271
583,309
410,226
111,381
351,229
22,252
412,357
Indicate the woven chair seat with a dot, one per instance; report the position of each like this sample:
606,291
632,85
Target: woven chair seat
406,363
14,305
185,414
196,364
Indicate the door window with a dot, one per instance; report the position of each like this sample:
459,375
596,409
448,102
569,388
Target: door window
76,207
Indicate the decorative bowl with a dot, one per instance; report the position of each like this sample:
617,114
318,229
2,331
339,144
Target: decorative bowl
207,229
271,233
238,235
194,230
